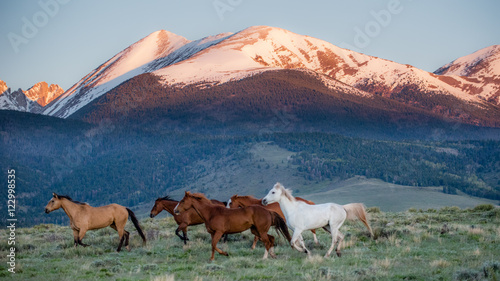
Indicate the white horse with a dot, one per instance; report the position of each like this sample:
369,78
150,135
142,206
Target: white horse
301,216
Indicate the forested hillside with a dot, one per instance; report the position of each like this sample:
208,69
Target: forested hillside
108,163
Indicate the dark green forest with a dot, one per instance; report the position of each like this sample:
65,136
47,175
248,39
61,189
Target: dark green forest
108,163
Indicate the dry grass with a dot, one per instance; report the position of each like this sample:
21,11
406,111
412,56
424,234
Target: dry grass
440,263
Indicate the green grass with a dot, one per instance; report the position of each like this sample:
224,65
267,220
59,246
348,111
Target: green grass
444,244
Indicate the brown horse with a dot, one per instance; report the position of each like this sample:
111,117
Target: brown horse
83,217
190,217
237,201
220,220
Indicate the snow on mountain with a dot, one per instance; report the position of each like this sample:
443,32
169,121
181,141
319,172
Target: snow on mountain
478,73
482,63
263,48
227,57
31,100
128,63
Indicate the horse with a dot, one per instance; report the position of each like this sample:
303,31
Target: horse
84,217
237,201
190,217
220,220
301,216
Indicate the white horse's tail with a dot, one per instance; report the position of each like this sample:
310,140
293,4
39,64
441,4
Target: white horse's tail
357,211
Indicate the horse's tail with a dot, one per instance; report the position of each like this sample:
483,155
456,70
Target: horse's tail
280,225
133,218
357,211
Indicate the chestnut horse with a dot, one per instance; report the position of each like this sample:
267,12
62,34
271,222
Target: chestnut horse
220,220
237,201
183,220
84,217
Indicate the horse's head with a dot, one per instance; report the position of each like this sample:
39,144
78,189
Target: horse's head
54,203
157,208
185,204
274,194
233,202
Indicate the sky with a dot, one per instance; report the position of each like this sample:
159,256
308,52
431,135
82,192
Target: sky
61,41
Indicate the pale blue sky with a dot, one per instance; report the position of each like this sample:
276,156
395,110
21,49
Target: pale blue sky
60,41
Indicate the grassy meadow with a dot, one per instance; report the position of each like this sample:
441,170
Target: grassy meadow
444,244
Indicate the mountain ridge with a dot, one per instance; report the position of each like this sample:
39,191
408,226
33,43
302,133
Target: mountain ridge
32,100
214,60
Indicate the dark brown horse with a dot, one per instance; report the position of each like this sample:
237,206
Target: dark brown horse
84,217
220,220
237,201
183,220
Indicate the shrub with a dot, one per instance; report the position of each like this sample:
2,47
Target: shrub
374,210
483,208
491,269
467,275
453,209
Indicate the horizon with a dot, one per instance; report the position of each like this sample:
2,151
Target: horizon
40,38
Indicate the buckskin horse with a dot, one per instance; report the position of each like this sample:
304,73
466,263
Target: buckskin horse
84,217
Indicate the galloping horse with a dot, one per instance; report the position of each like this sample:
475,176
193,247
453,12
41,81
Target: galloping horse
220,220
190,217
237,201
83,217
300,216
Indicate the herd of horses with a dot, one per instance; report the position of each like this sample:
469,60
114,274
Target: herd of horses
278,208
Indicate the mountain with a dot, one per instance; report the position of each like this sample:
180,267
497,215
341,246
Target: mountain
482,69
43,93
125,65
33,100
180,65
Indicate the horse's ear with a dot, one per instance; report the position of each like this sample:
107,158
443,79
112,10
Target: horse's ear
188,193
55,195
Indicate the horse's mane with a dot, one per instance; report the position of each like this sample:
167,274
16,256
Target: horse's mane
69,198
287,192
168,198
200,196
244,196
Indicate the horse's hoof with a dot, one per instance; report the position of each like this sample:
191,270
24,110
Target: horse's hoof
339,254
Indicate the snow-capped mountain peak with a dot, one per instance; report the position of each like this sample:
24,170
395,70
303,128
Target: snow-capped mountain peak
227,57
482,63
128,63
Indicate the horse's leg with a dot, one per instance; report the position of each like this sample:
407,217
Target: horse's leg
255,239
316,241
127,236
75,237
298,242
182,227
123,236
340,238
81,234
216,236
271,244
334,233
